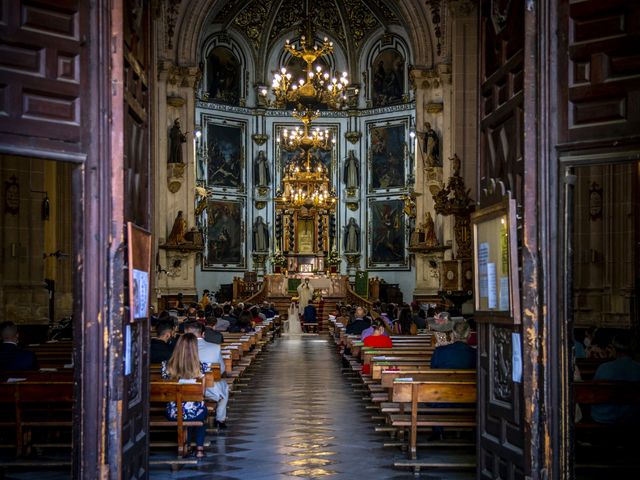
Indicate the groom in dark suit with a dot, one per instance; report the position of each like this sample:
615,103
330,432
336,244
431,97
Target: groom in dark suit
13,357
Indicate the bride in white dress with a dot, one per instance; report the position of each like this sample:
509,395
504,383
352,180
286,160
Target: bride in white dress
294,320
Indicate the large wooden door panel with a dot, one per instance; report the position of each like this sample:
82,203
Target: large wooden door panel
42,66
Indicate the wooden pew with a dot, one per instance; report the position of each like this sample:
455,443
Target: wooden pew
170,391
596,392
452,390
36,405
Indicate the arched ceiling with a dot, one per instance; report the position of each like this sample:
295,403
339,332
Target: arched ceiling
349,22
263,21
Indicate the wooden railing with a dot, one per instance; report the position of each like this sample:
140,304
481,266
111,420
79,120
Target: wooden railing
248,292
353,298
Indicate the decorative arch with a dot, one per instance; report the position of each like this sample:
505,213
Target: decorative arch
196,14
384,52
245,65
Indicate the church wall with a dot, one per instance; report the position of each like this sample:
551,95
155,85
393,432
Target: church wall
27,239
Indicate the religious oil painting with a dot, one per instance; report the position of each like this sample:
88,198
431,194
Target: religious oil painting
387,234
225,151
387,75
223,76
387,153
225,235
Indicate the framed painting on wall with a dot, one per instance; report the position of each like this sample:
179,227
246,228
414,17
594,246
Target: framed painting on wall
225,155
387,235
387,74
387,147
225,244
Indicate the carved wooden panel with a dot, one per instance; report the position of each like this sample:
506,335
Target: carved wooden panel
134,439
501,434
600,82
42,66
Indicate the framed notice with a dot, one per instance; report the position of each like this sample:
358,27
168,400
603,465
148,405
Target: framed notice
496,284
139,246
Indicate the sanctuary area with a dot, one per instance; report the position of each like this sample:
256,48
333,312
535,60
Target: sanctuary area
279,239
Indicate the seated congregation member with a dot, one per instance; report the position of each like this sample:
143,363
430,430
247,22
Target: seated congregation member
12,357
162,345
185,365
210,353
222,324
359,323
622,369
457,355
442,327
377,339
228,316
370,330
267,311
310,314
211,333
405,320
243,324
204,301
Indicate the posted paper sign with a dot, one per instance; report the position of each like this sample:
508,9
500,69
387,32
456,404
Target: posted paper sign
483,258
516,358
140,293
492,293
504,293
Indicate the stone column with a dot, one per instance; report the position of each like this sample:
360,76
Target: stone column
175,184
433,106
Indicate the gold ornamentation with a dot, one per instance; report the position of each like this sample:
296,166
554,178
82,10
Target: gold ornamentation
260,138
353,136
434,107
175,174
353,206
252,20
262,191
260,204
175,101
171,15
353,259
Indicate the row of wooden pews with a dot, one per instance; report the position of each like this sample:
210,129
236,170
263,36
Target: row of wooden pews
37,406
409,398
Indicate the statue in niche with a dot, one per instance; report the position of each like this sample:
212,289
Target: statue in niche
429,228
261,173
431,149
351,174
260,236
456,165
176,237
176,139
352,237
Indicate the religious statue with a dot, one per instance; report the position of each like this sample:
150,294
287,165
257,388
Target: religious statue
431,149
456,165
176,237
351,174
429,228
260,236
261,172
305,293
176,139
351,237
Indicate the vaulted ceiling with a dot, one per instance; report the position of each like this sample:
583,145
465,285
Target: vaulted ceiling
264,21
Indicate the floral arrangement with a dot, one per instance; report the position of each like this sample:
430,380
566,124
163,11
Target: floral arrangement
278,259
333,258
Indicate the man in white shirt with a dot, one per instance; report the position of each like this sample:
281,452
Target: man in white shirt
210,353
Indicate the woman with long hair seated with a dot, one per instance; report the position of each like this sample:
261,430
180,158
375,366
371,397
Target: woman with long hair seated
377,339
185,364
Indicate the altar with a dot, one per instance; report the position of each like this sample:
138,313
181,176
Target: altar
328,285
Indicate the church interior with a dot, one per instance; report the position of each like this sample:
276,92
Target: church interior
259,239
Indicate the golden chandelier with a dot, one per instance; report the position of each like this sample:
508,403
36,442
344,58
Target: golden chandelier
306,181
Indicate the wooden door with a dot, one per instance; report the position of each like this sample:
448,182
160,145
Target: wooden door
501,428
129,441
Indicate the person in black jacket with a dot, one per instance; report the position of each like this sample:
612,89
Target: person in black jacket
12,357
161,347
359,324
212,335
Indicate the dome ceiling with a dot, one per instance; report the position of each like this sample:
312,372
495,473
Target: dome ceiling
263,21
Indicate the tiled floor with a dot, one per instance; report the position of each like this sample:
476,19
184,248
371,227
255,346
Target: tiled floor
297,418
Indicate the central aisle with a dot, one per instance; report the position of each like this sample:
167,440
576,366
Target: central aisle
297,417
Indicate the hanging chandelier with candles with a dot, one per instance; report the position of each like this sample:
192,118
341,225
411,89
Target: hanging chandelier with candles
306,181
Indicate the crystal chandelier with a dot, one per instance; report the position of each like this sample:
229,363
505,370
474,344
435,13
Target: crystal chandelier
306,181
